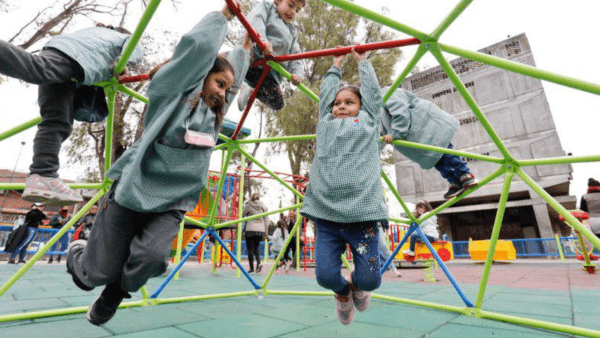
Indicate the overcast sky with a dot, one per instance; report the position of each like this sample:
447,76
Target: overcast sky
562,37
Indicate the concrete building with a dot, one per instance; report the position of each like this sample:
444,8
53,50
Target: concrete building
517,108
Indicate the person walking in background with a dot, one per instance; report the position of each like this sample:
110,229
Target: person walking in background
57,221
255,230
33,219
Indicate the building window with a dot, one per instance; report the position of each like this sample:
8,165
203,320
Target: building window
513,48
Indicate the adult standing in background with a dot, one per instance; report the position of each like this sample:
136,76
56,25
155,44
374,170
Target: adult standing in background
255,230
590,203
57,221
33,219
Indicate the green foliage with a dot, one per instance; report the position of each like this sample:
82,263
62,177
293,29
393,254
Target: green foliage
322,26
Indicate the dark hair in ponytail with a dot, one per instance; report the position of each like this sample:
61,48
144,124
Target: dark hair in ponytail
118,29
221,64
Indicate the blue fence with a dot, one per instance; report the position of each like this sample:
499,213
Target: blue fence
530,247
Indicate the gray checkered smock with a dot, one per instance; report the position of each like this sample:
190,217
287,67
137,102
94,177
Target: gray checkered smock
160,171
345,183
94,49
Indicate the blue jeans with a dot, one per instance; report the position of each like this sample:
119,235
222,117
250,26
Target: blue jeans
63,241
452,167
21,250
413,240
363,239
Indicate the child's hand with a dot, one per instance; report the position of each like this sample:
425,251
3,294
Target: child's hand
248,43
387,138
268,49
229,15
337,59
123,74
296,79
358,57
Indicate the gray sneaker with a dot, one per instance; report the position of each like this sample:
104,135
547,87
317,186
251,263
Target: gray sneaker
50,190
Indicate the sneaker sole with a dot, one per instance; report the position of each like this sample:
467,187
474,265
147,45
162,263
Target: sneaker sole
50,198
100,322
458,192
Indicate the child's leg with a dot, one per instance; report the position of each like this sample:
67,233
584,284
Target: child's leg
452,167
364,243
329,247
50,66
269,93
149,250
413,241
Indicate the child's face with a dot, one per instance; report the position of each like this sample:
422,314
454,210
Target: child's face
215,88
421,210
346,104
288,9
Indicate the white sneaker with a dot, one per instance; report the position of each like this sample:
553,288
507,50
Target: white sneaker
344,308
244,96
50,190
408,252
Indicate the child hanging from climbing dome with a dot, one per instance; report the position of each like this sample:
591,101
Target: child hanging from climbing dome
89,56
408,117
161,176
345,196
428,227
273,21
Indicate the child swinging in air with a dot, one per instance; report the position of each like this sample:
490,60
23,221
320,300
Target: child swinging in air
161,176
345,196
273,21
408,117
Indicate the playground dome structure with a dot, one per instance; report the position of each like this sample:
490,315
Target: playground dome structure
507,166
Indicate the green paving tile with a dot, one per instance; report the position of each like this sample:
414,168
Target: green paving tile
454,330
588,320
158,333
304,314
74,328
247,326
540,299
150,317
588,306
513,307
357,329
31,305
405,316
492,324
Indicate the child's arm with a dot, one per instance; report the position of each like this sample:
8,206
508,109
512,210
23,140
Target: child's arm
258,19
397,106
295,66
372,101
193,57
330,86
240,60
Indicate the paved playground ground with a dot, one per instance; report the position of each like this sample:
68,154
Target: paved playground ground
547,290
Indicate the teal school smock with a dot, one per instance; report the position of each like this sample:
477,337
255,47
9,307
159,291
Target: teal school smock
345,176
160,171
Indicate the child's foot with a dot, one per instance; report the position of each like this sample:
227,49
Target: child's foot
360,298
258,268
468,181
12,261
344,308
50,260
22,261
244,96
50,190
74,248
105,307
398,274
408,252
454,190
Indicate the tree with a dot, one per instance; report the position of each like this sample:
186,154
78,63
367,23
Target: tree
322,26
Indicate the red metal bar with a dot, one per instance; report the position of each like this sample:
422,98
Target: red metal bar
136,78
341,50
266,71
240,15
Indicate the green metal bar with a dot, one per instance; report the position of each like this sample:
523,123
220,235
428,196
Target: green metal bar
205,297
450,19
241,213
399,220
21,186
346,263
559,246
468,98
49,244
559,160
278,139
281,253
420,303
454,200
195,222
278,68
559,208
132,93
539,324
20,128
220,146
395,192
413,62
523,69
586,255
179,244
448,151
249,218
213,207
494,239
145,295
368,14
275,177
299,293
111,93
137,34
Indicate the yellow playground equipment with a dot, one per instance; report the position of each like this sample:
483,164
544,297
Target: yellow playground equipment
505,250
443,248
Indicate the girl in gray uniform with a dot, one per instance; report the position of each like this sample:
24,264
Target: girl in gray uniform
345,196
162,174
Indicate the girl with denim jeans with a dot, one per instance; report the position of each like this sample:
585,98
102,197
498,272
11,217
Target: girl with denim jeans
345,196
